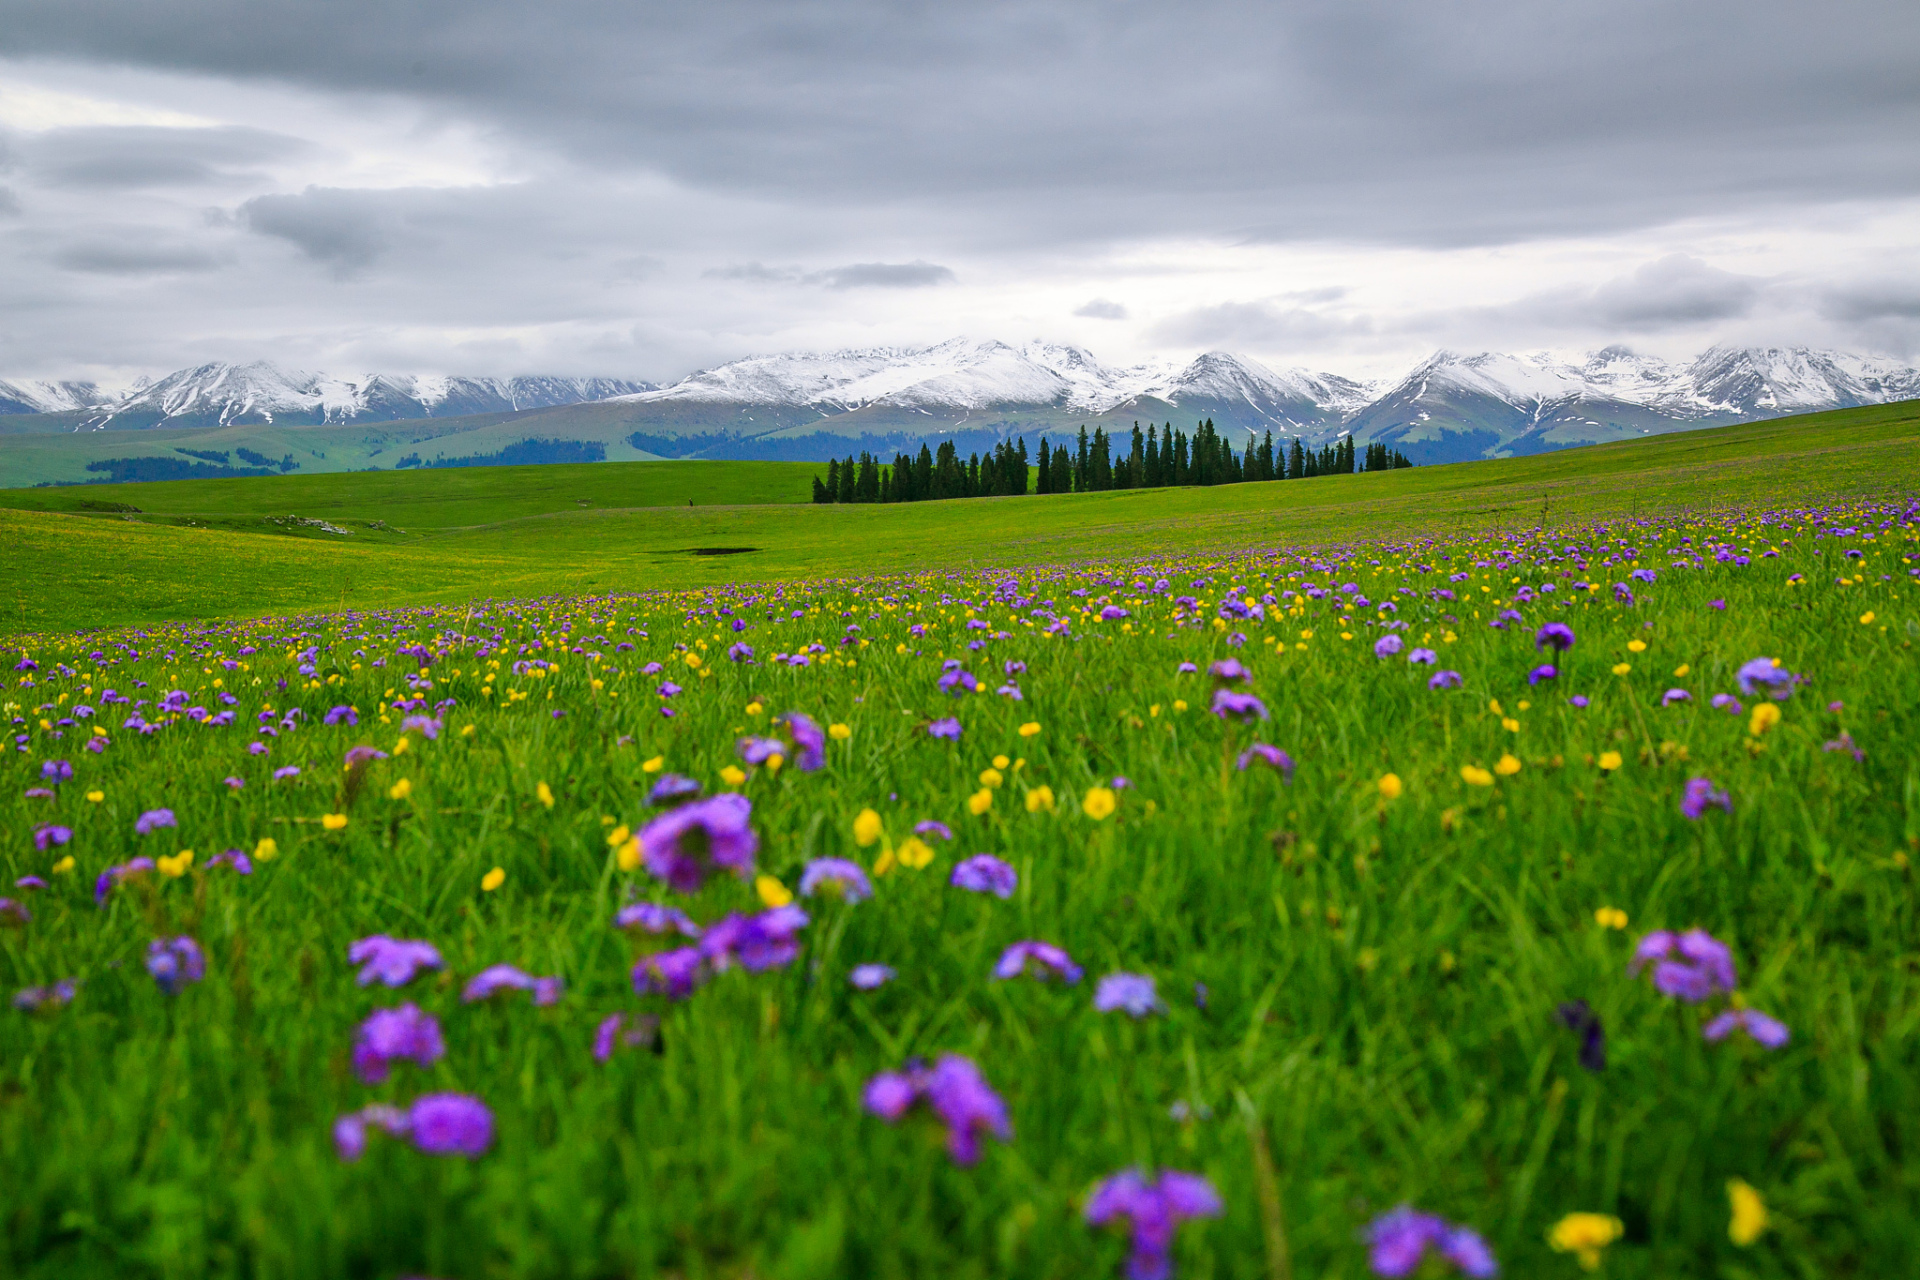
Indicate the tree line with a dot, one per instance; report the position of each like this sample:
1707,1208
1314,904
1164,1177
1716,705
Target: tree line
1091,464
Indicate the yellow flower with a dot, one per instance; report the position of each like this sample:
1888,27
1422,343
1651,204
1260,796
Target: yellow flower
884,863
1621,668
1098,804
626,856
1866,618
63,866
654,765
467,731
1179,704
1493,705
1510,725
1391,786
1749,1213
1030,728
96,797
1636,646
914,852
754,708
1040,798
1506,766
266,850
1475,776
334,821
492,880
773,762
991,777
1609,761
839,732
1764,717
1001,762
772,892
866,827
693,659
1610,918
177,865
400,790
1585,1234
733,775
617,836
544,794
979,802
1681,671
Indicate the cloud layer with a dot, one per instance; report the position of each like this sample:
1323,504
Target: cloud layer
484,182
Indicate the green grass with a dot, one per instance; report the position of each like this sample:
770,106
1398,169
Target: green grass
1382,975
489,532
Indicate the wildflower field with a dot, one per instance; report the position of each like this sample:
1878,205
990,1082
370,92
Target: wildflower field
1527,902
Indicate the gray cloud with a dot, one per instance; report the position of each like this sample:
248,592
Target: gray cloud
344,230
1862,302
9,203
884,275
125,157
134,254
1673,292
1263,326
756,273
1375,119
1101,309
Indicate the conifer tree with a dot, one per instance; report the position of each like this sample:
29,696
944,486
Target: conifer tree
1020,475
1153,479
1046,468
1080,473
1296,460
832,485
1062,471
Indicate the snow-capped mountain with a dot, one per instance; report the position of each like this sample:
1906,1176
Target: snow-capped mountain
226,394
1452,407
48,397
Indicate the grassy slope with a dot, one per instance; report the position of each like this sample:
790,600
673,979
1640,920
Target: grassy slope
86,571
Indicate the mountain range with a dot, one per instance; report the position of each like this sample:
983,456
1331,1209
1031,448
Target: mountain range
810,406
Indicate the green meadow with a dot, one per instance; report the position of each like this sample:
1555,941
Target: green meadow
1347,803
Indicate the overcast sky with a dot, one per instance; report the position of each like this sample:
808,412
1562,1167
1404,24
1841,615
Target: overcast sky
637,189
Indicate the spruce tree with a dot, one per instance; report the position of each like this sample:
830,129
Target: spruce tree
1296,460
1153,458
923,474
1080,473
832,486
1062,471
1046,468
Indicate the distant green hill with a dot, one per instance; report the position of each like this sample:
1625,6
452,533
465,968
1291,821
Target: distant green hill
465,534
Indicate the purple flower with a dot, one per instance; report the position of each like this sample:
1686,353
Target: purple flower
1558,635
1689,966
153,820
955,1091
235,784
234,858
1728,703
1401,1237
654,917
57,771
341,715
984,873
1545,671
757,942
617,1029
286,771
1505,618
1423,657
114,875
428,726
1230,671
1845,743
672,788
1131,993
47,836
54,996
1577,1016
494,979
29,882
808,740
673,974
757,751
14,913
1767,1032
450,1124
740,651
1386,646
1577,701
956,680
866,977
933,829
1672,696
1039,959
1154,1211
1185,669
947,728
1702,794
1243,707
1444,680
355,755
174,962
396,1035
685,845
393,961
1272,757
836,876
1766,674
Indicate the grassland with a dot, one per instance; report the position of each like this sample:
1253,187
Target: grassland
1358,960
505,531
